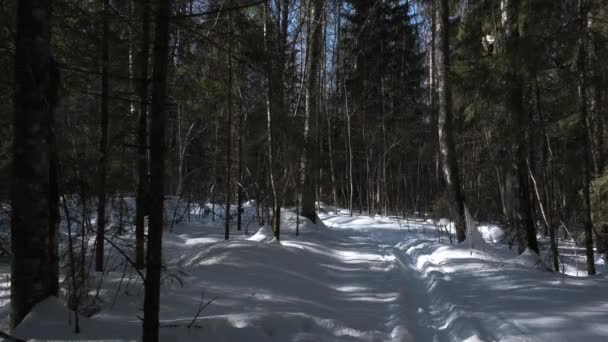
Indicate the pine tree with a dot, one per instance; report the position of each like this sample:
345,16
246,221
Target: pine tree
34,272
449,163
157,167
311,158
142,134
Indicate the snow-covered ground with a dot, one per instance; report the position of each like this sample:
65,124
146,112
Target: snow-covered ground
346,279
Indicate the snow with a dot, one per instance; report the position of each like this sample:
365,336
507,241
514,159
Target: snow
485,297
492,233
531,259
343,279
264,233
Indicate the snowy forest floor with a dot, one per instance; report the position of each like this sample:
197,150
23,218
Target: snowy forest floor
346,279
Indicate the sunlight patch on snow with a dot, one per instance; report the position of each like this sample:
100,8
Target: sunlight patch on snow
198,241
350,288
357,256
377,298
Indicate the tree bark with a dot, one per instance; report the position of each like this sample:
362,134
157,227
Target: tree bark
239,193
142,137
334,192
103,144
271,85
584,119
33,270
55,217
349,146
228,134
521,209
433,91
445,132
312,109
157,167
554,251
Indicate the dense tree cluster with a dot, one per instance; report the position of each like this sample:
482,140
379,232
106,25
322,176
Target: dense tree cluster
494,110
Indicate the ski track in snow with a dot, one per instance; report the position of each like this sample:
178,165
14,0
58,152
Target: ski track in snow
349,279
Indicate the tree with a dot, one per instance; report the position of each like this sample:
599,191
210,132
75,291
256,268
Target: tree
275,50
311,158
103,143
142,135
34,272
449,163
517,171
584,119
228,189
381,72
157,167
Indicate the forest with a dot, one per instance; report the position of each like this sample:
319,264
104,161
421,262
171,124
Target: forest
303,170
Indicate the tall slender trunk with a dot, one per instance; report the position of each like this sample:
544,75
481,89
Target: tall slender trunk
349,146
239,193
433,90
445,132
517,174
55,217
334,192
228,134
157,168
313,52
554,251
103,144
131,61
382,196
33,270
142,136
584,119
270,123
336,108
368,177
216,155
596,110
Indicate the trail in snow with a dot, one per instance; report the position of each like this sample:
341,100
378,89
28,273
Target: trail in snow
349,279
427,317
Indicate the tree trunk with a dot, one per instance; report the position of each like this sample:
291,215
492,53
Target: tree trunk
350,156
521,217
554,251
312,109
33,242
582,97
270,113
445,132
334,192
142,137
433,90
103,144
55,217
157,168
228,134
239,193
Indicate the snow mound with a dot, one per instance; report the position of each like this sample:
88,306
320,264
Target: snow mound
320,223
51,317
475,240
443,222
322,207
274,241
492,233
529,258
51,313
264,233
